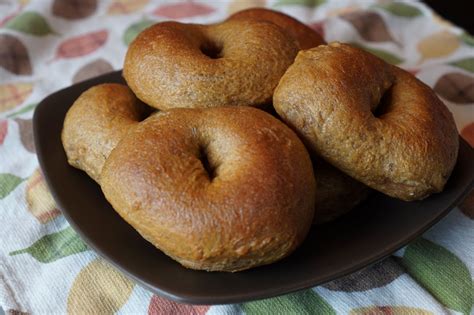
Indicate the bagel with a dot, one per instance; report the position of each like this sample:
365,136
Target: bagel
96,122
218,189
237,62
304,36
336,192
374,121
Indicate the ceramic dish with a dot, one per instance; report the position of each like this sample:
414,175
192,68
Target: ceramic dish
374,230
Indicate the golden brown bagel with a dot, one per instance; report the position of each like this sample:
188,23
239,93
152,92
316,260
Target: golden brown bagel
225,188
374,121
336,192
305,36
96,122
240,62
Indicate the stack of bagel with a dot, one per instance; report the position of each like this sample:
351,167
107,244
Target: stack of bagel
231,140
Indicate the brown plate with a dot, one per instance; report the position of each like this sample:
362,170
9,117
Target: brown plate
376,229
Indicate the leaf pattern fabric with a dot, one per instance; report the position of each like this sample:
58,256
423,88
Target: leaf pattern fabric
46,268
14,55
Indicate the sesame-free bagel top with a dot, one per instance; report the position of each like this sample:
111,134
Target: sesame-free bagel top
374,121
96,122
236,62
305,36
226,188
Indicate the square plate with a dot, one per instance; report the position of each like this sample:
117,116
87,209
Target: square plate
377,228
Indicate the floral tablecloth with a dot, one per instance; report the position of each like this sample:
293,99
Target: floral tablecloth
45,268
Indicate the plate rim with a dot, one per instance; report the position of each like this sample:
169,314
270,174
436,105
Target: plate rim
229,299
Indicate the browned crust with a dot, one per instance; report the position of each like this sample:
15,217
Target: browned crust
96,122
407,152
166,68
336,193
305,36
256,210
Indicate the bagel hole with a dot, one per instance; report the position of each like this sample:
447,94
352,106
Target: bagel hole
211,50
206,164
384,104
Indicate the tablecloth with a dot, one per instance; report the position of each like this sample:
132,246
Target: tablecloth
45,268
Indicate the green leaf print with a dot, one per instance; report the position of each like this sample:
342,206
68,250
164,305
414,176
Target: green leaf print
401,9
25,109
8,183
466,64
441,272
303,302
306,3
134,29
382,54
30,23
54,246
467,39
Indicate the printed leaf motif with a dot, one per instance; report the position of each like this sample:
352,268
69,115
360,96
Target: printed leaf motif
438,45
306,3
126,6
8,182
74,9
382,54
159,305
466,64
389,310
456,87
81,45
401,9
239,5
134,29
375,276
14,94
93,69
468,133
26,134
467,206
442,273
30,23
370,26
3,130
318,27
303,302
98,289
467,39
55,246
25,109
183,10
14,55
40,202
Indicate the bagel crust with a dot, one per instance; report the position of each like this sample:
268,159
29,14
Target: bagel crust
236,63
96,122
336,192
220,189
305,37
374,121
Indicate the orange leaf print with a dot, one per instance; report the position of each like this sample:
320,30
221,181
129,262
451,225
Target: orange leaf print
468,133
183,10
438,45
98,289
126,6
13,94
40,202
318,27
3,130
239,5
81,45
159,305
